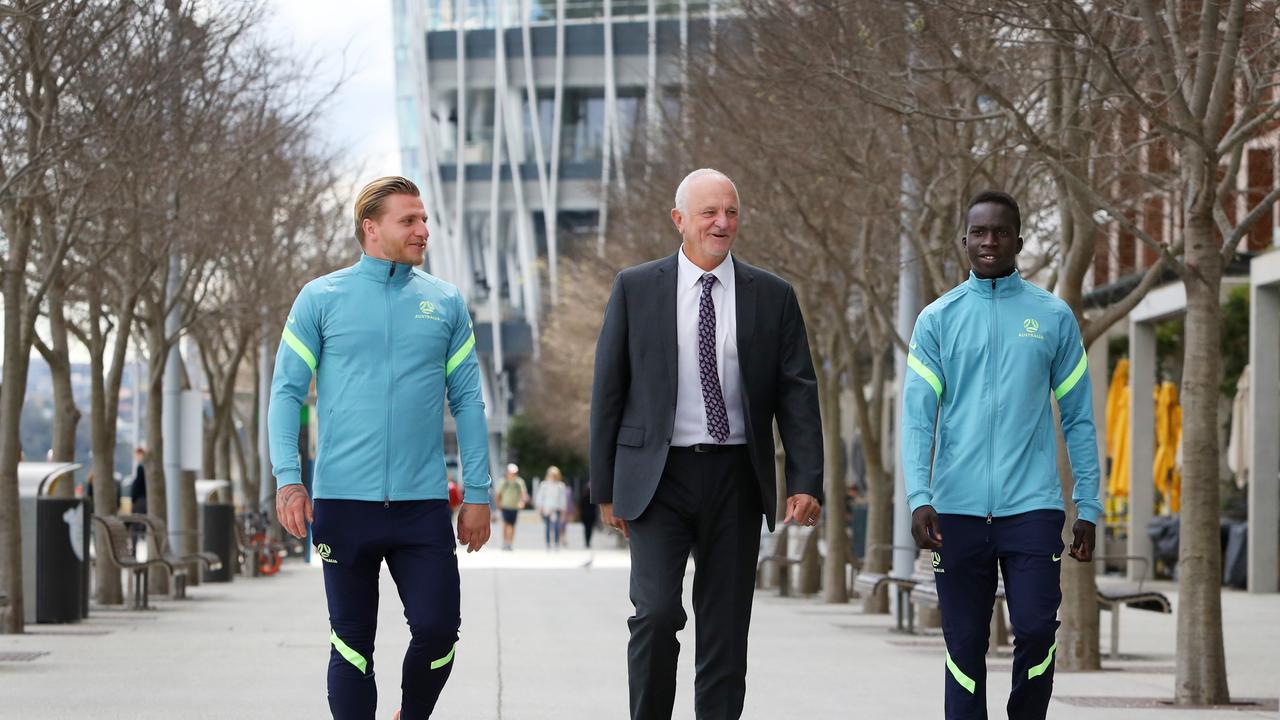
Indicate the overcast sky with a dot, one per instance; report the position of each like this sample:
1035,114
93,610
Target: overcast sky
341,36
337,37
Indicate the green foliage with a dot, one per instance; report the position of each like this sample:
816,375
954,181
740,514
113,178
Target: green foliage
1169,344
1235,338
533,452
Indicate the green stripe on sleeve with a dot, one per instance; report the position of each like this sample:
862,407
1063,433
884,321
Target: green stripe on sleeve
461,355
437,664
1081,368
299,347
914,363
1042,667
345,650
965,681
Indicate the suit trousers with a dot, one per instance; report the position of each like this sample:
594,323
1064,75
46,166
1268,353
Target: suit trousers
707,504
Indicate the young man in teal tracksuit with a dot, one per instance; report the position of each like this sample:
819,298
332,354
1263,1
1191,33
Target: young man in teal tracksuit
388,344
984,361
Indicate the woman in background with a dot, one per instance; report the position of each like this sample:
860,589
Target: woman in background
551,502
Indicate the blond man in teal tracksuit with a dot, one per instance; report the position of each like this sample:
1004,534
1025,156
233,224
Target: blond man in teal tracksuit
985,362
388,345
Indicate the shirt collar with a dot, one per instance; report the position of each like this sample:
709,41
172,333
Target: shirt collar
383,271
1006,286
690,274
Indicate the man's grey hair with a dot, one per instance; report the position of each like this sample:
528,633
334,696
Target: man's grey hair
682,192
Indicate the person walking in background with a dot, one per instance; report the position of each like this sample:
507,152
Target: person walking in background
138,495
550,502
512,498
138,490
455,495
979,458
698,354
566,517
586,511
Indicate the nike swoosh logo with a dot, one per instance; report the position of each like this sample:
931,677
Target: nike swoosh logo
914,346
1056,558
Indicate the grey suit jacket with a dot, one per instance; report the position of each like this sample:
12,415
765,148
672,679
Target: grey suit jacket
633,395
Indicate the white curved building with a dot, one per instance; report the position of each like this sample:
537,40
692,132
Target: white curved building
468,73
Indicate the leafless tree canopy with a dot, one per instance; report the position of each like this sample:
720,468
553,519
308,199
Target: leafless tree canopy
133,133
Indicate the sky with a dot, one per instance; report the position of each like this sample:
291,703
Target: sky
334,37
355,38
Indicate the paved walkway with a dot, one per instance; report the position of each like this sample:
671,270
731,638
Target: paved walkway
544,636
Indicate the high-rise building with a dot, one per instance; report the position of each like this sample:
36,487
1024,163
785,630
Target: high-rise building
557,93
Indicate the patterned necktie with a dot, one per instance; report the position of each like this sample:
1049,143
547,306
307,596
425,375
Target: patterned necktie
717,417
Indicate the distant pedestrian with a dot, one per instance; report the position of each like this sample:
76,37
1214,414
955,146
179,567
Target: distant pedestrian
586,512
138,495
138,490
455,495
552,504
512,498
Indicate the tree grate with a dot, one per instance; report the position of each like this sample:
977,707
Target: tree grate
1243,704
14,656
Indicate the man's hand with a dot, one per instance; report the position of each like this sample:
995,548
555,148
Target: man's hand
1086,534
925,529
473,525
293,509
608,518
803,509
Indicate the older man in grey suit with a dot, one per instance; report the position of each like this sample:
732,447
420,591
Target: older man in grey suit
698,355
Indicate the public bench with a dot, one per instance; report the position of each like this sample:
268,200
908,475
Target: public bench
1113,596
925,594
114,545
801,548
870,583
179,565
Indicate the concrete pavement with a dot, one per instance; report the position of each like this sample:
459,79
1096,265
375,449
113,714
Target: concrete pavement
544,636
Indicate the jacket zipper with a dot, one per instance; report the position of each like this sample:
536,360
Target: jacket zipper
992,358
386,435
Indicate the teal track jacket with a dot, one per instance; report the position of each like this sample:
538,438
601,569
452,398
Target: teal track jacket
386,343
984,361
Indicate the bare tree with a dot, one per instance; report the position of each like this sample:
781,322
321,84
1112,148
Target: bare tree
1198,79
44,48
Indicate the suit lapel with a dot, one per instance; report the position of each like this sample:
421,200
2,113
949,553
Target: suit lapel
666,291
745,297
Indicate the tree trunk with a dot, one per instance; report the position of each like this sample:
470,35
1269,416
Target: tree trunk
13,388
11,395
66,416
1201,666
156,491
102,435
1078,640
879,532
253,479
1078,636
836,527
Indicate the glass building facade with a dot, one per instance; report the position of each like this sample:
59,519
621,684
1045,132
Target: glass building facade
514,117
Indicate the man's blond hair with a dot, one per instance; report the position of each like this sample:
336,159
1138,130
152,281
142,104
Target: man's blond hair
372,198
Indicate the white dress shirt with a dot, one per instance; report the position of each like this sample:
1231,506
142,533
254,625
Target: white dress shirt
691,414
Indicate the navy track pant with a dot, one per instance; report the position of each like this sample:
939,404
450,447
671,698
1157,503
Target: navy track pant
352,538
1027,549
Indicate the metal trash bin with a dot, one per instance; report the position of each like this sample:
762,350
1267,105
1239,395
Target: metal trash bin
217,527
55,544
